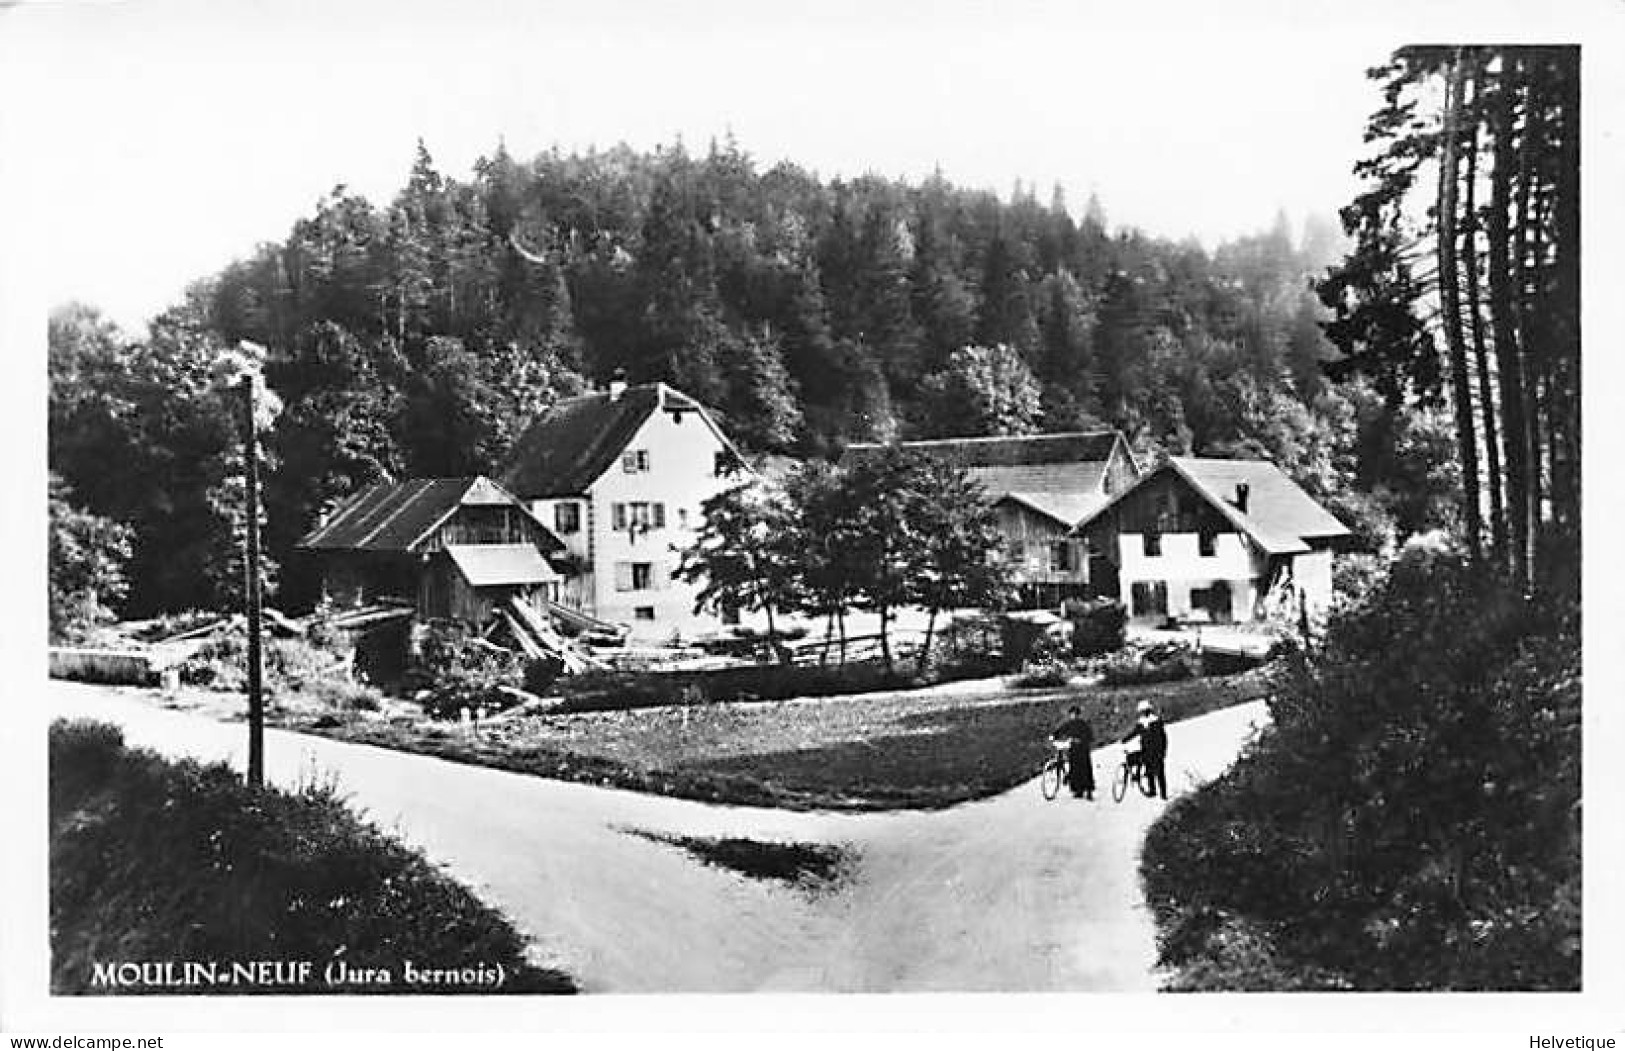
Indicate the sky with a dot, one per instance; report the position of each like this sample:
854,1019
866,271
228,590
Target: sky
162,140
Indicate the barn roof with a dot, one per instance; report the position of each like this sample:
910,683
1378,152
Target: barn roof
1280,516
396,516
1066,508
492,565
569,446
1058,475
1026,450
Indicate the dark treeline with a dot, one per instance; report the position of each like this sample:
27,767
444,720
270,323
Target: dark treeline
1494,272
415,338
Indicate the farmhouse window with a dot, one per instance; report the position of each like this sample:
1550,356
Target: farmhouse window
642,576
1206,543
1149,598
643,613
1151,544
635,461
567,517
1060,556
639,516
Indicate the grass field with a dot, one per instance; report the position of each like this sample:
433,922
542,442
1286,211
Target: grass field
912,749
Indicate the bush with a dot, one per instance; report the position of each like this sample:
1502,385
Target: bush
1411,821
289,664
1098,627
618,691
153,860
462,671
971,647
1046,675
1022,641
1143,668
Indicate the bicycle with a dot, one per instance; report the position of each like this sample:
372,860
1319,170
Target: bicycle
1056,769
1132,769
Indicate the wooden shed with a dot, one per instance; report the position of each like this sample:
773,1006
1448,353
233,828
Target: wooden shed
455,548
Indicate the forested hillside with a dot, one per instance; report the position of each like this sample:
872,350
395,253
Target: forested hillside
414,337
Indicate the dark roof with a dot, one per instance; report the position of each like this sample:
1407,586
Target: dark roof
1027,450
1065,507
567,448
1280,516
395,516
493,565
1059,475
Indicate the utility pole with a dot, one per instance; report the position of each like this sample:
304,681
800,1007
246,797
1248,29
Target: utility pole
251,592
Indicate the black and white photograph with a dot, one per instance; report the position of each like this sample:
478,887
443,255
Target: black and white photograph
519,504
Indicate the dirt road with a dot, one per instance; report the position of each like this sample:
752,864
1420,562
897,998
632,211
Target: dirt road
1010,893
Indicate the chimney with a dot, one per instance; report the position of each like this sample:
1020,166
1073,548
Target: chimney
617,385
1242,490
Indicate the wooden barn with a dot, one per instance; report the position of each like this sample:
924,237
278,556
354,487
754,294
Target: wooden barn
452,548
1040,487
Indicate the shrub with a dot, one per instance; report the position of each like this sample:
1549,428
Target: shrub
618,691
464,671
1411,821
971,646
343,695
1021,641
1098,627
1046,675
153,860
1139,669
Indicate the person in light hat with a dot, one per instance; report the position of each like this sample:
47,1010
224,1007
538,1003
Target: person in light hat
1153,738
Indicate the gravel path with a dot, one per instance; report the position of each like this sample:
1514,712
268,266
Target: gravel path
1010,893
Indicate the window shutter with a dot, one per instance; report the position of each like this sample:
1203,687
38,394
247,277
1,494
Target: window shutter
657,576
660,516
623,576
617,516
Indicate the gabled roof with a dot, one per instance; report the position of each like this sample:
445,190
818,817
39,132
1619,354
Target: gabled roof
568,447
491,565
397,516
1025,450
1065,508
1059,475
1280,517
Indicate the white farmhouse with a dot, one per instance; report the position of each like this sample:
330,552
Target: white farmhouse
619,475
1212,539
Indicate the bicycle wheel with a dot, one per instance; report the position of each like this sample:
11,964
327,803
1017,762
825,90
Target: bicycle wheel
1049,782
1120,783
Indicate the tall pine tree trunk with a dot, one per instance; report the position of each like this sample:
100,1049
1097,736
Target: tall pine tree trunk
1527,246
1486,396
1566,294
1450,303
1508,357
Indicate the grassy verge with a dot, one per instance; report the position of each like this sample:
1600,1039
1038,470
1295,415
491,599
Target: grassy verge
812,866
176,878
912,749
1412,819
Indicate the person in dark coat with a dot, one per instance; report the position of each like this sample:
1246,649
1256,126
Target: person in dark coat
1153,738
1080,767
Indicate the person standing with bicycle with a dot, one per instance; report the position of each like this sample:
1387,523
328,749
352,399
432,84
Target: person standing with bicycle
1080,769
1153,737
